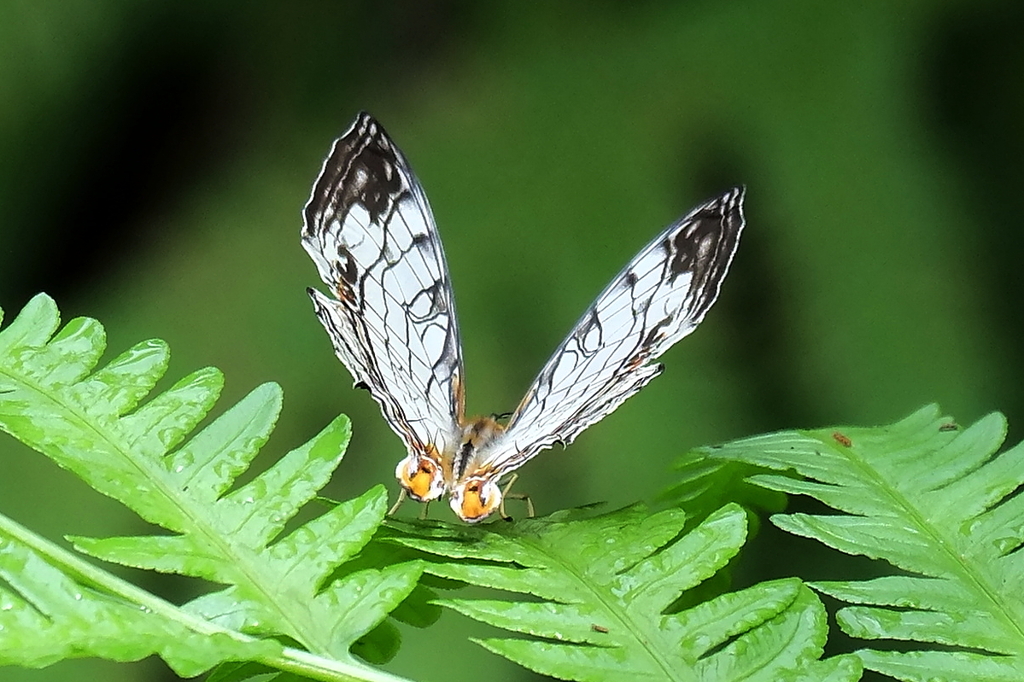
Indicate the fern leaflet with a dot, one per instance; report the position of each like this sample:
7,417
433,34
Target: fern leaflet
936,502
95,424
603,586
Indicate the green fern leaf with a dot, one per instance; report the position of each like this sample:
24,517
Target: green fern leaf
276,584
934,501
47,616
704,485
602,586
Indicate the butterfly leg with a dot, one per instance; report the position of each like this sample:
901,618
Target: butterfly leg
530,512
398,503
401,499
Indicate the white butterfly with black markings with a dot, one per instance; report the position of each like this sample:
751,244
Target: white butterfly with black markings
369,229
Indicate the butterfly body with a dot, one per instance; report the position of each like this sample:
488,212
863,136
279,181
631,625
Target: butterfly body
369,230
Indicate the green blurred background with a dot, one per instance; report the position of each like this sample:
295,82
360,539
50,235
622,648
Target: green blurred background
154,157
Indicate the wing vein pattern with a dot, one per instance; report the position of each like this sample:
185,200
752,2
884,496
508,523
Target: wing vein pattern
658,298
369,229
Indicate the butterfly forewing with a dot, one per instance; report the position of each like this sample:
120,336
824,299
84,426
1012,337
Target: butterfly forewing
369,229
660,297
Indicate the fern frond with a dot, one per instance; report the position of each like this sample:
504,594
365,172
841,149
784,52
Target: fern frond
602,586
932,500
703,485
95,424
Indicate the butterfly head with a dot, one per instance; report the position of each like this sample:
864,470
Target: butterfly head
421,475
475,498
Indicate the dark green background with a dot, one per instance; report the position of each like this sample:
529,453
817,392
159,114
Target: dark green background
154,157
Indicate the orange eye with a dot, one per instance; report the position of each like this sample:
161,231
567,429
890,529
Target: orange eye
422,481
477,502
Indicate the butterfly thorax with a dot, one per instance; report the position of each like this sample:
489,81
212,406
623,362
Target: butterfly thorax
474,484
477,434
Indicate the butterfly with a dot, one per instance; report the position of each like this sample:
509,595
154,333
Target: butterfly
391,318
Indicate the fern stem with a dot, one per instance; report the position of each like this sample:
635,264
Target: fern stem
317,668
86,573
292,660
